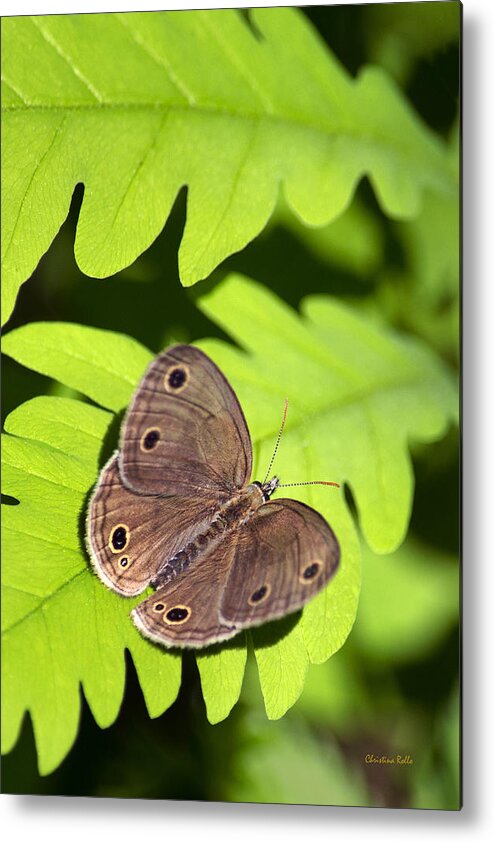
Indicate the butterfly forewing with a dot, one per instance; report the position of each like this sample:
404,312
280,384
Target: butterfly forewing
185,432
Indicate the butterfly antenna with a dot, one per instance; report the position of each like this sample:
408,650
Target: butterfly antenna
312,482
277,441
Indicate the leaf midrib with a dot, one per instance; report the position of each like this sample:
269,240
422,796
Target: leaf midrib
355,398
335,132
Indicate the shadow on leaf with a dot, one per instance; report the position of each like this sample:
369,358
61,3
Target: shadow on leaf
272,633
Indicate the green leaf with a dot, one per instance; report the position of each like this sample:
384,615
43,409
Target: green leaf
136,106
101,364
356,394
409,602
60,628
222,669
70,426
282,660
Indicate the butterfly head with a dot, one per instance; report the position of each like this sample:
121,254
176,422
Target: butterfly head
268,488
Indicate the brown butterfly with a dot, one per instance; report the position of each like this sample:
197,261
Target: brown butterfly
173,509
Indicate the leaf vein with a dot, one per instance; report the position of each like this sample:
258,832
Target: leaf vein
160,60
234,60
53,43
38,537
22,591
106,369
335,132
31,473
13,87
56,132
234,183
138,168
42,605
347,400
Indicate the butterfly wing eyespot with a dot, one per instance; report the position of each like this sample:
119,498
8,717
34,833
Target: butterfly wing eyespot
260,595
119,538
150,439
176,378
310,573
177,615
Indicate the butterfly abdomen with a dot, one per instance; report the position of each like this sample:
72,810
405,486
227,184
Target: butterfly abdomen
230,516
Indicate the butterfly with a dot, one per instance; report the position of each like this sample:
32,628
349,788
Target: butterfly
174,508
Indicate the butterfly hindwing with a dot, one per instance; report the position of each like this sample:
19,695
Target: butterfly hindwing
286,553
130,535
268,568
185,612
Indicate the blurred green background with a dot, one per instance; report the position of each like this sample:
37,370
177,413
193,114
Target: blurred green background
393,688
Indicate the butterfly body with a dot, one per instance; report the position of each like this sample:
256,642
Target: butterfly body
229,517
174,508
